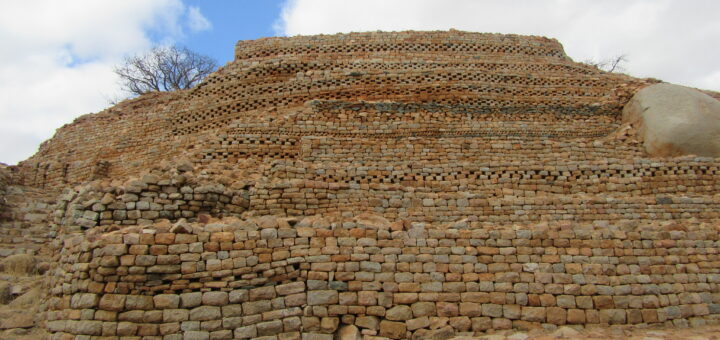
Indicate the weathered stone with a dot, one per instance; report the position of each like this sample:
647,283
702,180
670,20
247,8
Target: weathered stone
322,297
166,301
215,298
392,329
246,332
369,322
674,120
399,313
423,309
348,332
205,313
533,314
112,302
269,328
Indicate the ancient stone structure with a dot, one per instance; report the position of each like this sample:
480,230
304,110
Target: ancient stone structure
400,185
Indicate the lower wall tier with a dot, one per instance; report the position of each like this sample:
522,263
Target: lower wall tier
280,278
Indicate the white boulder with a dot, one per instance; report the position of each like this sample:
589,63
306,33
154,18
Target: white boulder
674,120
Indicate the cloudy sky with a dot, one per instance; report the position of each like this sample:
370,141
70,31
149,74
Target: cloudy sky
56,57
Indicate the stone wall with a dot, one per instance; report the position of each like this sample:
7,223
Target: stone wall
5,181
120,141
281,93
518,191
169,195
520,199
268,278
526,190
24,217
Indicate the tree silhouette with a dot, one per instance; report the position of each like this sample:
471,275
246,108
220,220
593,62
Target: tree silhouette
164,68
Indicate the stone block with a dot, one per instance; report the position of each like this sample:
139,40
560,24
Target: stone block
246,332
392,329
215,298
322,297
399,313
206,313
166,301
112,302
533,314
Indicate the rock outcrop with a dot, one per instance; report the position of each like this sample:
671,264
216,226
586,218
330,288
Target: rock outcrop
674,120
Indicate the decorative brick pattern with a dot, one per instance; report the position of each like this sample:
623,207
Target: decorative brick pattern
281,93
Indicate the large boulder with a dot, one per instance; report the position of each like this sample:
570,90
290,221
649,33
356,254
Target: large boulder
674,120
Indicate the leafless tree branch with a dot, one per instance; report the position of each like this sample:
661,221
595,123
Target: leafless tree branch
165,68
613,64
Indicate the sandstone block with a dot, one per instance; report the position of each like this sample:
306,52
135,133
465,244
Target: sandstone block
322,297
175,315
262,293
492,310
142,302
166,301
533,314
556,315
425,308
256,307
196,335
576,316
269,328
392,329
447,309
417,323
369,322
246,332
399,313
84,300
189,300
613,316
112,302
215,298
348,332
205,313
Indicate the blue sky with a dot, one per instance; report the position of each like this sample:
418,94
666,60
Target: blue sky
232,21
57,57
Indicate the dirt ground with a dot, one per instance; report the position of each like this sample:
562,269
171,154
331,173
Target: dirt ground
710,332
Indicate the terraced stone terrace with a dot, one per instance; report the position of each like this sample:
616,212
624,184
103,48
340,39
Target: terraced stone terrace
386,185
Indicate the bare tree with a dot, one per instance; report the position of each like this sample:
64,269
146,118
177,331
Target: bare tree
164,68
613,64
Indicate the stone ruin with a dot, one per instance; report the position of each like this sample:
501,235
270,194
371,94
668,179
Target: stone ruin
407,185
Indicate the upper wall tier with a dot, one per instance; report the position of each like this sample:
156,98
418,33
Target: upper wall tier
279,94
468,73
440,44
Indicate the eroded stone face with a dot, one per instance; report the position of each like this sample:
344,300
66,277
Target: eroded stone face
463,280
674,120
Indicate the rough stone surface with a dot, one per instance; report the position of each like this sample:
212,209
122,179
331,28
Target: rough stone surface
405,185
674,120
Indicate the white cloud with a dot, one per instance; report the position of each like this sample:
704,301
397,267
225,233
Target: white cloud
57,58
673,40
197,21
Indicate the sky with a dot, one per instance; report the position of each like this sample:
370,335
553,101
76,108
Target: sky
57,57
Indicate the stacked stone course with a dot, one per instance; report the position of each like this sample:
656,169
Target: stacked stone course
168,195
281,93
277,278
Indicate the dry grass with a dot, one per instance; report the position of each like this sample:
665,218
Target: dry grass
19,264
5,295
30,298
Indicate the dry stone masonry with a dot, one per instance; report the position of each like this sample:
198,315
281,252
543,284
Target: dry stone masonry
275,278
385,185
